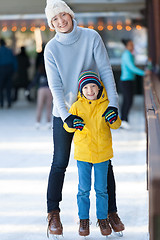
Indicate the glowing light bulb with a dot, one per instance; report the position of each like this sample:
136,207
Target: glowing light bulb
119,27
138,27
100,27
14,29
4,29
32,29
91,26
23,29
52,30
128,28
109,27
43,28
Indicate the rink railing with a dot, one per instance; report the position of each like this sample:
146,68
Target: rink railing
152,112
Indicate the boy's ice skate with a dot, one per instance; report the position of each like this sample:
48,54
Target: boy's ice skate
116,223
55,228
104,227
84,227
56,237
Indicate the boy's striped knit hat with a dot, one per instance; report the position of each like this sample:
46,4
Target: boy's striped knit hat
88,77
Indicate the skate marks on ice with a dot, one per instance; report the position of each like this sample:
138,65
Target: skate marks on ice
113,236
92,236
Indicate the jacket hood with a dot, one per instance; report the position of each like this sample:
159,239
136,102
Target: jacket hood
94,143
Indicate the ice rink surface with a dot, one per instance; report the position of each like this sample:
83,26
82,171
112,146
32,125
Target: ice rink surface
25,159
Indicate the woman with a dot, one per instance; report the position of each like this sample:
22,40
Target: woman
128,73
44,96
71,51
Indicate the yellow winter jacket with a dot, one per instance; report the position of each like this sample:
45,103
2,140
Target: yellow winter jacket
94,143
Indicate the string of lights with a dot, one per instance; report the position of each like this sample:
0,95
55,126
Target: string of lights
100,27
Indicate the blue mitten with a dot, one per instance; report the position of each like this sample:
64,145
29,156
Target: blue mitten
111,114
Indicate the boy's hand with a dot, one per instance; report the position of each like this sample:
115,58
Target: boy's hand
73,121
111,114
78,124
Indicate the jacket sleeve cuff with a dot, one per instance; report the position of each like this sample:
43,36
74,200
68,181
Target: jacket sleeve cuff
116,124
70,130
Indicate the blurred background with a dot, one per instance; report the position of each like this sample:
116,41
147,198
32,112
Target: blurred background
23,23
26,153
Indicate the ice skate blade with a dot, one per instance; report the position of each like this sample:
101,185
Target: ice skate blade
119,234
84,237
56,237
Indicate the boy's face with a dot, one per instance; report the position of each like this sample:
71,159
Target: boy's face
90,91
62,22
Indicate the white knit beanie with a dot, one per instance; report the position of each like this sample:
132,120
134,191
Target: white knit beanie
55,7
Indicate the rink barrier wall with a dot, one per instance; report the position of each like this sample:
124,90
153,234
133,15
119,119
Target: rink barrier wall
152,113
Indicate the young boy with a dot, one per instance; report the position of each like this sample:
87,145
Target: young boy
93,148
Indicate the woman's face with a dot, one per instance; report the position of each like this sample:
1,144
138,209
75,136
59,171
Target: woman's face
130,46
62,22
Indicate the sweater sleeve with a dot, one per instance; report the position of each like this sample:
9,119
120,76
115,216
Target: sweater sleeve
131,66
55,84
73,111
105,71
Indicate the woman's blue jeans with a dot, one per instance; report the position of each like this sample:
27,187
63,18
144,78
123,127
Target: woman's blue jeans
62,145
100,186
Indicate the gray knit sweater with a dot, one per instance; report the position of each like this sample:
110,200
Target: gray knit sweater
66,56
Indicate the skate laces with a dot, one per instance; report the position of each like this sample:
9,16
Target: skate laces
103,223
84,223
114,217
53,219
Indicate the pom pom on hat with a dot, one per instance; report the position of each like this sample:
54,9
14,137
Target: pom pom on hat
55,7
88,77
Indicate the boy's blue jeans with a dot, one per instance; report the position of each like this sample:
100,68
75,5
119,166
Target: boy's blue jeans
100,186
62,145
